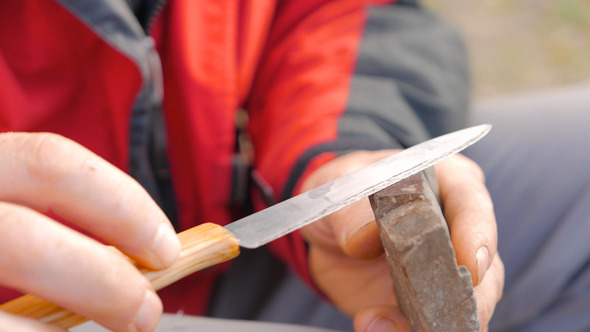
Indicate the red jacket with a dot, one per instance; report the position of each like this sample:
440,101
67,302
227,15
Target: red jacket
88,71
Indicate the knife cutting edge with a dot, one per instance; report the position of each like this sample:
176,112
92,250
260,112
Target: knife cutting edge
209,244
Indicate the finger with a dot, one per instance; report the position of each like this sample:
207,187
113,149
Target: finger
45,258
350,283
352,229
51,173
469,212
10,323
381,319
489,291
357,231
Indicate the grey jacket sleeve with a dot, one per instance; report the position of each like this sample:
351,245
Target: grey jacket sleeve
411,82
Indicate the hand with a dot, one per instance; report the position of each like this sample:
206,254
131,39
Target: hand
49,173
345,251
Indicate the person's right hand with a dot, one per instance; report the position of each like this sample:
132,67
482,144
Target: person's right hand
42,172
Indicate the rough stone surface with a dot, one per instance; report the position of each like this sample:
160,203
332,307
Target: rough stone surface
433,292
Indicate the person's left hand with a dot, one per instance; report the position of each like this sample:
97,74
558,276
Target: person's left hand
346,254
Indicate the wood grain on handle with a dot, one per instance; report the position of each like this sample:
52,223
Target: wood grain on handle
202,246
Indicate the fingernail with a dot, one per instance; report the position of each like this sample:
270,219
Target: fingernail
148,316
482,257
166,245
381,324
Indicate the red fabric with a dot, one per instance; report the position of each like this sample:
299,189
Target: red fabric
45,86
303,67
300,91
44,71
289,63
293,248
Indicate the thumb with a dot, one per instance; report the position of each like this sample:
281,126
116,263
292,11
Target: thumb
351,230
356,231
381,319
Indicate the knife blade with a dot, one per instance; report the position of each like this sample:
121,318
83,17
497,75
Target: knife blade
282,218
209,244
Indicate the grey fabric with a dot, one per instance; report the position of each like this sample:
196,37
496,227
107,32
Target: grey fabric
259,287
114,22
537,165
411,82
180,323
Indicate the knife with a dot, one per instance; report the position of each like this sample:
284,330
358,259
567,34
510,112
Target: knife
209,244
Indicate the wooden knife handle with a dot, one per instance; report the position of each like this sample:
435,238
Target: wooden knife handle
202,246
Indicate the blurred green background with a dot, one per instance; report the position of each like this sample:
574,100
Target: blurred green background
522,45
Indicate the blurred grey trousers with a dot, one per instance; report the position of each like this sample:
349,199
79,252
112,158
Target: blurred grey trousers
537,165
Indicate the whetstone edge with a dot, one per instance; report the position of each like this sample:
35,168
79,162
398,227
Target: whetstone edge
434,293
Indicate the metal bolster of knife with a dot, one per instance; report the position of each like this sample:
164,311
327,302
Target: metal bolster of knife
434,293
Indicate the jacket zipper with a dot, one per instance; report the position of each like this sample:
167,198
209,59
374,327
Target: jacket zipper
155,12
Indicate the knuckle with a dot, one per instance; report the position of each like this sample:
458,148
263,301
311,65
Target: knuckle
467,165
477,171
47,146
499,276
486,310
474,168
481,199
46,154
